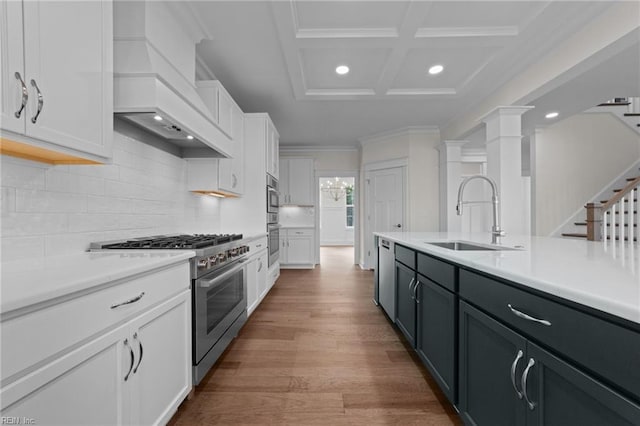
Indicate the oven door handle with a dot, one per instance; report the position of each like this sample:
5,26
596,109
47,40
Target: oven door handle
212,281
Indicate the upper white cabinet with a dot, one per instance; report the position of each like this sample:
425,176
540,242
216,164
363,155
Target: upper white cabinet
296,181
229,172
273,150
57,80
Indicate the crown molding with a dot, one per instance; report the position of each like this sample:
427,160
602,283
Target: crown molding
404,131
505,31
294,149
325,33
421,92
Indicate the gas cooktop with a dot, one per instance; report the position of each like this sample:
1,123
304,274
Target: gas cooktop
170,242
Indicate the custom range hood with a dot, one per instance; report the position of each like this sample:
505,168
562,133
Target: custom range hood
154,79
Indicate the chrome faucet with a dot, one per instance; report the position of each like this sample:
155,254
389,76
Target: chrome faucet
496,232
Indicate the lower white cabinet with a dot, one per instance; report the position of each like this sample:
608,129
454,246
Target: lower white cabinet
135,373
256,280
297,247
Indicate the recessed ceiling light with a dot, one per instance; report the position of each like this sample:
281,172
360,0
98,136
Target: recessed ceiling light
157,118
189,137
342,69
551,115
436,69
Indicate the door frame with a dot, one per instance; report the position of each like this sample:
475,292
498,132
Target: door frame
324,174
367,260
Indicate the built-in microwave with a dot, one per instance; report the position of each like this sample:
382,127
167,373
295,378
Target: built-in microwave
272,195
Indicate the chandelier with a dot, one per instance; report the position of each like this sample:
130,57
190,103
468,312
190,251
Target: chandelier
336,188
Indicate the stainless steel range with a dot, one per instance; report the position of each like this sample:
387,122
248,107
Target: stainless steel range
218,283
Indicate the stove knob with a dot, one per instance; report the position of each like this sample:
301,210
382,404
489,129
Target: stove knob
213,260
202,263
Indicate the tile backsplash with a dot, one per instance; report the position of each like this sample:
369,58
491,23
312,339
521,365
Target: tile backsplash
52,210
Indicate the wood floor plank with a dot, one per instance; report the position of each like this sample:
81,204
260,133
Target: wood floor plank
318,351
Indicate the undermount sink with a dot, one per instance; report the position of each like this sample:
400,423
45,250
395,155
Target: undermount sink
466,246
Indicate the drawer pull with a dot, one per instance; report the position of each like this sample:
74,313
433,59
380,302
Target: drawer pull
528,317
258,245
128,302
514,366
525,375
126,343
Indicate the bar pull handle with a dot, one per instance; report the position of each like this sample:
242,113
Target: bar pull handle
415,291
410,286
135,337
25,95
40,101
525,375
514,366
128,302
126,343
528,317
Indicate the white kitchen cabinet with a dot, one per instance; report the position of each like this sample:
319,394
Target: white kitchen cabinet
273,149
256,280
297,248
60,55
296,181
231,170
136,370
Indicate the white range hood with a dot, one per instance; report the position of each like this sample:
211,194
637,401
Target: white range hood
154,76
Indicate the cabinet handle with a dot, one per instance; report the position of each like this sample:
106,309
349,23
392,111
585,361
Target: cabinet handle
40,101
258,245
514,366
411,285
525,375
126,343
234,179
415,291
25,95
528,317
260,266
135,337
128,302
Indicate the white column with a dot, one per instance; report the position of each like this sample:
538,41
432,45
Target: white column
450,178
504,165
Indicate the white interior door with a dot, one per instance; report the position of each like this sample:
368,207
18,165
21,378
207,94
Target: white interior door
385,206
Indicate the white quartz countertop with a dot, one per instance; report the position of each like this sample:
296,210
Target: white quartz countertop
27,282
602,276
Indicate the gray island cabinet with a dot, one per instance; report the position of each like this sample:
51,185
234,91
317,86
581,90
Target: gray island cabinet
507,354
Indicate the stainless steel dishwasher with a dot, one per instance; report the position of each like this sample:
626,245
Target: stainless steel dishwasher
387,277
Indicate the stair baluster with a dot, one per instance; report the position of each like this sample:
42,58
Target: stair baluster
604,219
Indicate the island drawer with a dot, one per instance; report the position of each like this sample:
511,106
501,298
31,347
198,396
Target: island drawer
406,255
436,270
608,350
34,336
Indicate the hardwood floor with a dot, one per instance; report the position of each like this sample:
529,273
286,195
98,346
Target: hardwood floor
317,351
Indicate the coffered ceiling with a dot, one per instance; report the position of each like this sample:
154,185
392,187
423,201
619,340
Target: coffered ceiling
280,57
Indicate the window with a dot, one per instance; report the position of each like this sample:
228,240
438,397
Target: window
349,202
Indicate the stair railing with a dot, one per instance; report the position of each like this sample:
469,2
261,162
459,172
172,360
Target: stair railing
607,221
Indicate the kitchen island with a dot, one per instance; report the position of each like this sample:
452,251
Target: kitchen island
544,331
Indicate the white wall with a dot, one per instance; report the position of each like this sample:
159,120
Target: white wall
574,160
52,210
333,218
423,183
338,159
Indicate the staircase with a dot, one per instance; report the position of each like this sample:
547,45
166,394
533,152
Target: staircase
626,110
615,218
